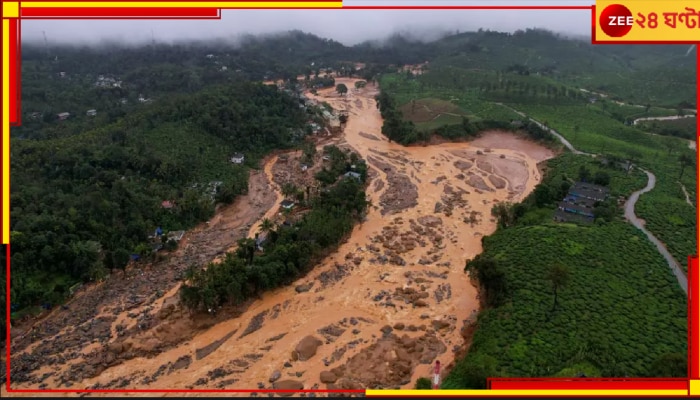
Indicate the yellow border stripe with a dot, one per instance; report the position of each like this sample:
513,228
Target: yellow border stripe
203,4
486,393
10,9
695,387
5,131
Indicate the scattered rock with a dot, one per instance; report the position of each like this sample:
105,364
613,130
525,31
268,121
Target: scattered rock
166,311
255,323
497,182
288,385
275,376
420,303
276,338
304,288
116,348
307,348
328,377
210,348
437,325
181,363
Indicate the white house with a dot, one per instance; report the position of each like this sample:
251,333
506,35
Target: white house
287,204
237,158
176,235
355,175
91,113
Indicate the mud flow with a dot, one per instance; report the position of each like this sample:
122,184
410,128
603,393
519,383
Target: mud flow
376,313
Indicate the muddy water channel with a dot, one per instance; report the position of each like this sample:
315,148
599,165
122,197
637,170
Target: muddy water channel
390,301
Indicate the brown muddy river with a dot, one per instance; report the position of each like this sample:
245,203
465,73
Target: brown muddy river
391,300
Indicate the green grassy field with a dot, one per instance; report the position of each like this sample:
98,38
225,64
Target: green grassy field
406,91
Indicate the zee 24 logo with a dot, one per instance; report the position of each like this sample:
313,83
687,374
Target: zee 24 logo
617,20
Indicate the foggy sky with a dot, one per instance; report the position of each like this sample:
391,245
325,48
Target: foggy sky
346,26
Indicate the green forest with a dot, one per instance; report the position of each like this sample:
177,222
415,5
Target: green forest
84,203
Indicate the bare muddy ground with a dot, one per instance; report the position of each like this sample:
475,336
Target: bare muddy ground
376,313
129,311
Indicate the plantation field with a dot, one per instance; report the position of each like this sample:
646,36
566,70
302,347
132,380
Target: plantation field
665,87
670,218
630,112
682,127
621,310
619,314
597,132
665,210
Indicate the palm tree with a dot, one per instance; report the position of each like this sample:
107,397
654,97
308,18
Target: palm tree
266,225
558,274
288,189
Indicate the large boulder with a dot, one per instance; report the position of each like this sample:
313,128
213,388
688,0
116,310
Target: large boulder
328,377
307,348
275,376
116,348
304,288
287,385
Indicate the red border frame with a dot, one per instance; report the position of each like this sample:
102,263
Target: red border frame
118,13
494,383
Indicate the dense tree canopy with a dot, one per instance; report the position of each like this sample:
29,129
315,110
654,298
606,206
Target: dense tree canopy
290,250
84,201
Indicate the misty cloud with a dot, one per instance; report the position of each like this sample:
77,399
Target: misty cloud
346,26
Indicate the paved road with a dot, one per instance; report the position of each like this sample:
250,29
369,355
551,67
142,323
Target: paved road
629,206
639,224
